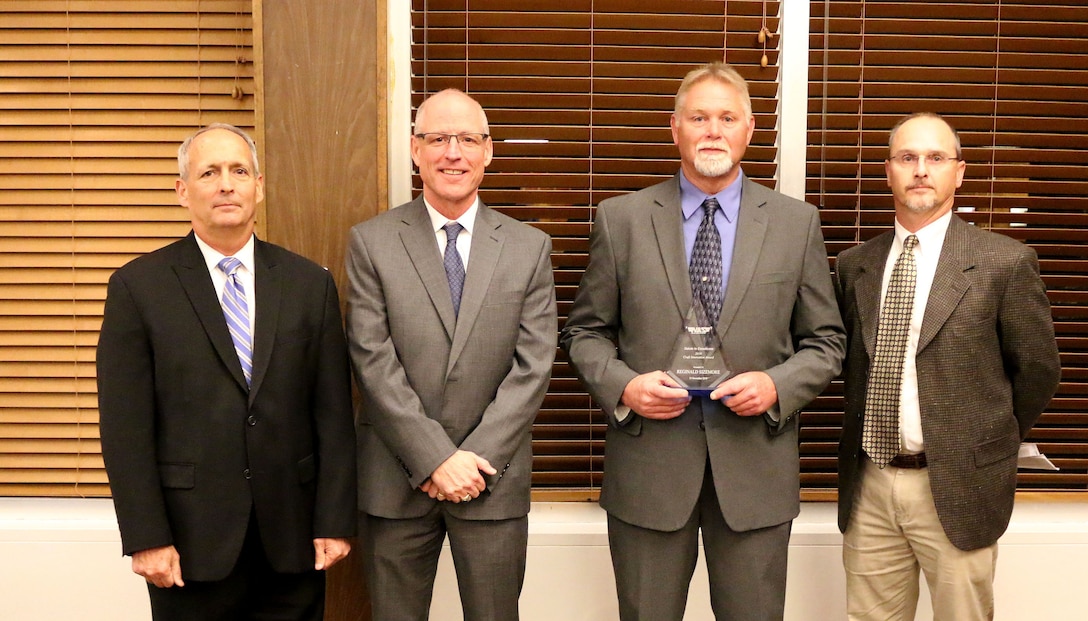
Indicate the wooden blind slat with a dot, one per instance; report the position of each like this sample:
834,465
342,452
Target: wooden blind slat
97,97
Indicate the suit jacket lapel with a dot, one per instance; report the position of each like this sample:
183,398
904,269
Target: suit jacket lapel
487,241
949,282
420,243
751,230
667,220
867,288
192,273
269,292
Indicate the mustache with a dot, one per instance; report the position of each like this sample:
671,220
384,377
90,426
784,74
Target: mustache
714,144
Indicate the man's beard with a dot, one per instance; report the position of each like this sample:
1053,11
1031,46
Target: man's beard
713,166
919,204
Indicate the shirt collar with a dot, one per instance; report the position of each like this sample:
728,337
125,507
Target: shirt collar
467,219
691,197
212,256
929,236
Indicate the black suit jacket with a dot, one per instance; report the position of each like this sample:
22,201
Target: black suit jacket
987,366
190,452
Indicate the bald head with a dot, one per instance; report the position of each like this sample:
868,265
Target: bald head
449,99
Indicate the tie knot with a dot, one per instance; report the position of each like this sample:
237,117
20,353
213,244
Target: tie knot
909,243
452,229
710,205
229,264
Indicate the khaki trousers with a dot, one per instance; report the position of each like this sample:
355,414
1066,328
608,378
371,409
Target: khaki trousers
894,531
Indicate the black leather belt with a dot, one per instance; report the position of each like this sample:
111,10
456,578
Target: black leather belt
914,462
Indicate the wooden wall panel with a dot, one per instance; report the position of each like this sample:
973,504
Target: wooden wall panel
321,127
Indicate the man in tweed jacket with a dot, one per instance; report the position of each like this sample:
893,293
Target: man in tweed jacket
981,365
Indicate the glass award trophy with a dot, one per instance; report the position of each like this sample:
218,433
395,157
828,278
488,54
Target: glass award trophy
698,364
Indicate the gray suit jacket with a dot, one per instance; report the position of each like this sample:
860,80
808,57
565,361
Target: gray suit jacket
432,382
779,316
987,366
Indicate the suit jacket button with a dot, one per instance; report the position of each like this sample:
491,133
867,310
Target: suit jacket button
702,425
246,474
251,421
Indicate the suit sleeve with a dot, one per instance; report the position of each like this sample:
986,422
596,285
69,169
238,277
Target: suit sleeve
1028,347
126,405
417,440
334,513
510,414
819,340
592,327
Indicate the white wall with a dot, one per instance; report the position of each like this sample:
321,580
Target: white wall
60,560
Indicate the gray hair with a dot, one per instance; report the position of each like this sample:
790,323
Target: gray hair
183,150
720,72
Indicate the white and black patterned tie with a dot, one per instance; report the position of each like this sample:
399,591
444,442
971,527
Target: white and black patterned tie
455,267
880,434
705,270
236,312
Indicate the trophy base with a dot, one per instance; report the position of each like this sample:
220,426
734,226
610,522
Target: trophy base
697,391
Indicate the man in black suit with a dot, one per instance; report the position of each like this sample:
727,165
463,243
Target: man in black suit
225,400
927,462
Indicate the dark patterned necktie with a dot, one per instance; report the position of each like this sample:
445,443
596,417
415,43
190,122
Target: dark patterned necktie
880,435
706,264
455,268
236,312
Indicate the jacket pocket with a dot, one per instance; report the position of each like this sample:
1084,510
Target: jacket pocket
996,450
177,476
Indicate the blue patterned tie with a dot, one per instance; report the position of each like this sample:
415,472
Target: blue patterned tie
455,268
236,311
705,270
880,429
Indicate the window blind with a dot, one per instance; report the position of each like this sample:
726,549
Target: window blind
97,96
1012,77
578,95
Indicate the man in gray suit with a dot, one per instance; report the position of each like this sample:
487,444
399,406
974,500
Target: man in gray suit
726,463
977,365
451,328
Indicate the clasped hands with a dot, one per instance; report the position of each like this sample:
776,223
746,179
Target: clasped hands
458,479
658,396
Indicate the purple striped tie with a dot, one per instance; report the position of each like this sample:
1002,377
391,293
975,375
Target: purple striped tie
236,311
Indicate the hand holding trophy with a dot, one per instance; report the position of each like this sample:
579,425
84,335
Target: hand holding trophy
698,364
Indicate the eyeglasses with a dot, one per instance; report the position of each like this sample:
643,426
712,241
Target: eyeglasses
910,160
467,140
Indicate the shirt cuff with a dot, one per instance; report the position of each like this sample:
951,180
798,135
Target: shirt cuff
621,413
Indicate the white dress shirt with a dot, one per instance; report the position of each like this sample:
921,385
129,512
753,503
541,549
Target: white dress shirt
926,255
464,238
212,257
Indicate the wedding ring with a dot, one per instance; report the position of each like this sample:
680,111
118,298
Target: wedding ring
467,498
441,496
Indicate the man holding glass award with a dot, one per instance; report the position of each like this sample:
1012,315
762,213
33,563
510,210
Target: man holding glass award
705,321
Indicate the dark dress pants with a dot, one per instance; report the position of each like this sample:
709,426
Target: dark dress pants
653,569
252,592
